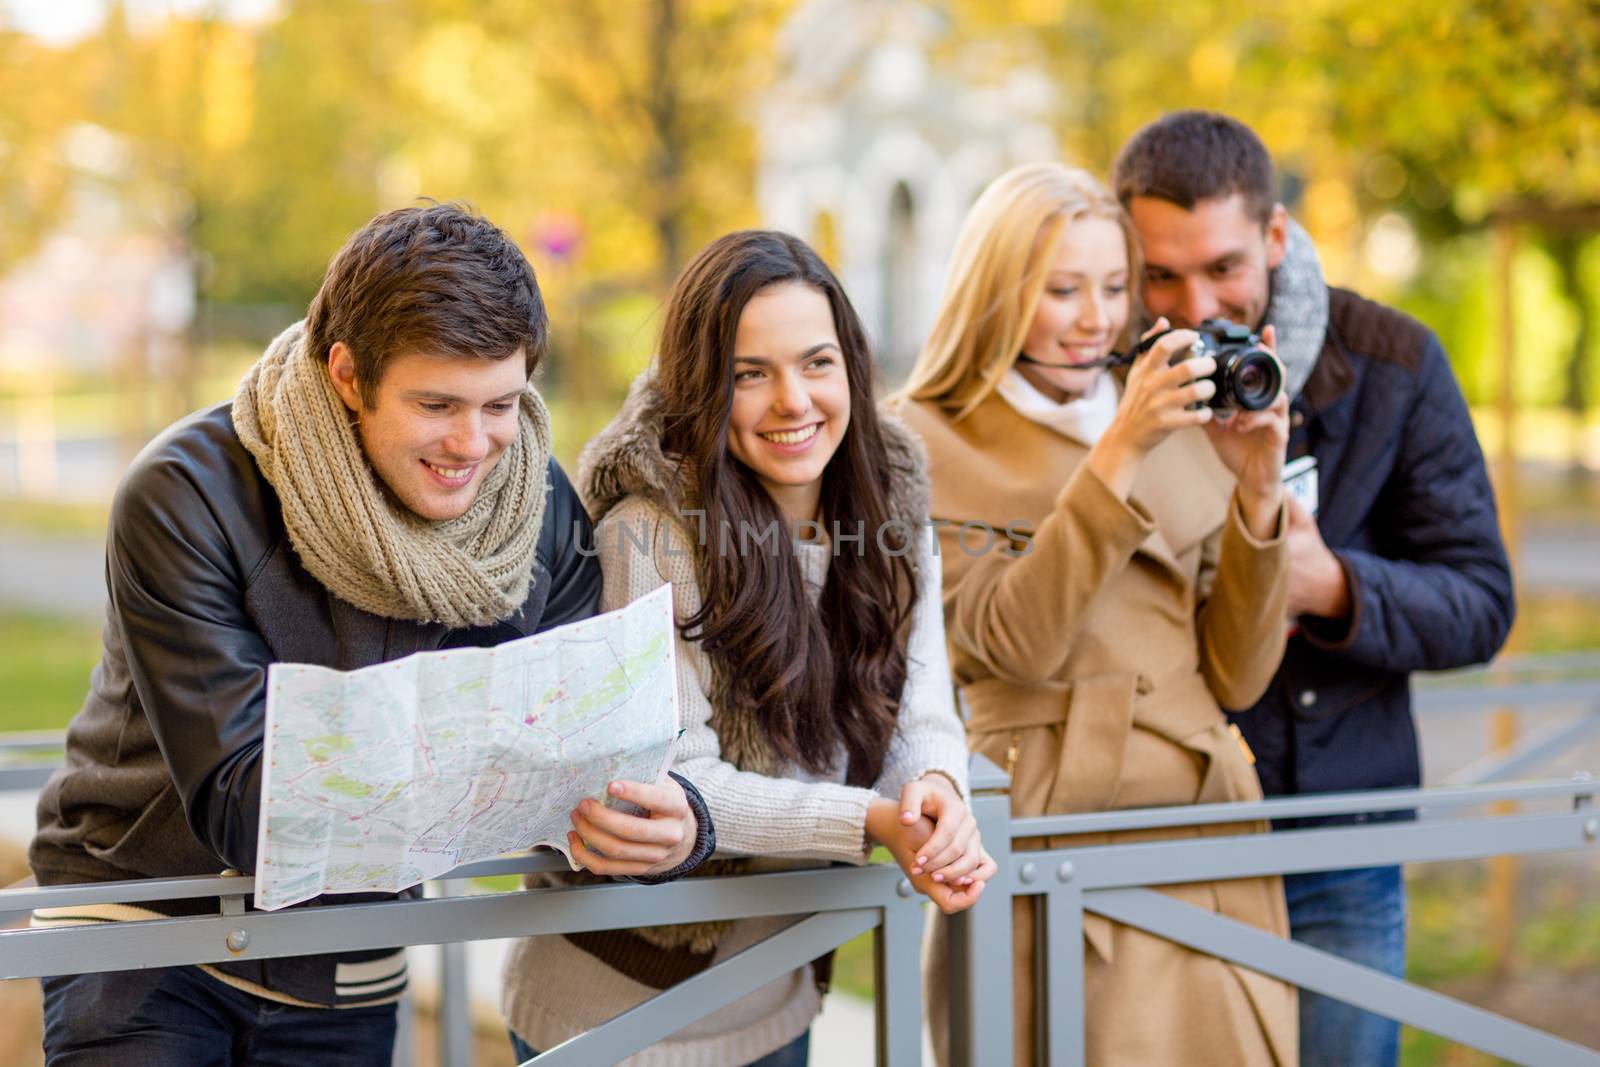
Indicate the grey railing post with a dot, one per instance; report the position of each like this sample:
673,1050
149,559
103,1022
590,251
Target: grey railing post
980,938
455,1004
405,1031
898,963
1058,963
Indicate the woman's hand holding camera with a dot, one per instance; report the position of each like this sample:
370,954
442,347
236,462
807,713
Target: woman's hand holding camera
1252,445
1157,398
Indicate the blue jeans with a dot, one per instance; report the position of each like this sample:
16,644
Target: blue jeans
183,1017
1360,915
796,1053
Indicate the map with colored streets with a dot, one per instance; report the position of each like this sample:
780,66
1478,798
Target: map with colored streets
380,778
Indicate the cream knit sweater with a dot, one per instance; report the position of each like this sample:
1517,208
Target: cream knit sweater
800,817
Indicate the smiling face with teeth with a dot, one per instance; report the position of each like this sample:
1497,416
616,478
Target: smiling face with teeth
791,394
436,425
1084,306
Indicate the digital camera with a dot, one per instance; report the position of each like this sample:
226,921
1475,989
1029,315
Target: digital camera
1247,377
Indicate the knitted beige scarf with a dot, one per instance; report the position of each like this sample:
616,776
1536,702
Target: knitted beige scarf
350,533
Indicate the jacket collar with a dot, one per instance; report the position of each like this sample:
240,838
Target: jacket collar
1330,384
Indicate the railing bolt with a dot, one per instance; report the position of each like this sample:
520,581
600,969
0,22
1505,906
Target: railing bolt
1028,873
238,941
1591,829
903,887
1065,872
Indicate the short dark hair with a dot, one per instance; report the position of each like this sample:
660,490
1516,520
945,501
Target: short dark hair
437,278
1189,156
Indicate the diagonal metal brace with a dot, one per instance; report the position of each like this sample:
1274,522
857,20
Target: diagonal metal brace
719,985
1324,973
1533,751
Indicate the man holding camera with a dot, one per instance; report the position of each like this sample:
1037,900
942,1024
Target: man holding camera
1396,560
381,484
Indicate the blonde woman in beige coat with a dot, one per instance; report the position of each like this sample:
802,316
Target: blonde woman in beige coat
1134,587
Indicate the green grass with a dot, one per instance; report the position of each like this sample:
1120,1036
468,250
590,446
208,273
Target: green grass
499,883
44,669
853,964
1558,933
1552,622
54,518
1564,934
853,968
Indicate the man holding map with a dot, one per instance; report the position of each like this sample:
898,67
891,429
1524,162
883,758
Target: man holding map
380,485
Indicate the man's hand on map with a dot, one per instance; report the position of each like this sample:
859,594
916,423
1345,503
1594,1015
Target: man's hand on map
907,842
611,842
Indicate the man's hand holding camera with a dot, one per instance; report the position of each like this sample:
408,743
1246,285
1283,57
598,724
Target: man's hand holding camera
1252,445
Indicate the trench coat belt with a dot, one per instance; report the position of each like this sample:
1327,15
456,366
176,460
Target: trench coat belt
1098,712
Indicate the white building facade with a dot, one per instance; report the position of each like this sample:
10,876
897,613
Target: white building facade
879,134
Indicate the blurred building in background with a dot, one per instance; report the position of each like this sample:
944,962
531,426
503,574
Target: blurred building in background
880,130
107,298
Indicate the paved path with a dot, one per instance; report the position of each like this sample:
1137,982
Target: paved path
66,576
1560,558
58,576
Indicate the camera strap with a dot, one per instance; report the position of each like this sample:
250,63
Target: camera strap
1115,359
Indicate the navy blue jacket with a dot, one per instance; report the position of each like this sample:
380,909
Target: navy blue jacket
1405,504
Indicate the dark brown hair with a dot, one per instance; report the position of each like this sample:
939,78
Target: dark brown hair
439,279
813,677
1189,156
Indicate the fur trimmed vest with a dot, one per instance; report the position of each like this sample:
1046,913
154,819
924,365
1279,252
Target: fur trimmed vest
626,460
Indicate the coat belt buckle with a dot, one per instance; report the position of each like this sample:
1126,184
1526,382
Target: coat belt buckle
1238,735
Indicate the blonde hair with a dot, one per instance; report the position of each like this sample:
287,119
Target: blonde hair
997,276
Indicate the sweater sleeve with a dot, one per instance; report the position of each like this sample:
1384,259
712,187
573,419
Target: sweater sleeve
1018,611
928,736
641,548
1241,622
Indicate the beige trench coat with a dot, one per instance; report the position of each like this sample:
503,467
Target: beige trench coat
1093,646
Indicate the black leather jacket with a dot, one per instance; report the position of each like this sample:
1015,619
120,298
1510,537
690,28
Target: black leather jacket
163,772
163,768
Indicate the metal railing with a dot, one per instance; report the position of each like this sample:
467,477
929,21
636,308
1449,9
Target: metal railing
834,905
1115,881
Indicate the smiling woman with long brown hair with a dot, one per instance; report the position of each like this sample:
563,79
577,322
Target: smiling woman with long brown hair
751,470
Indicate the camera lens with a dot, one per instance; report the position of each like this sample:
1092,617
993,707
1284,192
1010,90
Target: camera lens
1251,381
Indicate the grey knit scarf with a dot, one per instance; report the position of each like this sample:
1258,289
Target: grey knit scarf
353,537
1298,309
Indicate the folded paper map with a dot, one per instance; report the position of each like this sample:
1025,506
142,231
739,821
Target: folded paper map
380,778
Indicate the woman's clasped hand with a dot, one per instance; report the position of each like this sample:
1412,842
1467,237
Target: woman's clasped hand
932,835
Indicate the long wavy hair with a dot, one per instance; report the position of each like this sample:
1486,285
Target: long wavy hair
997,275
815,678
